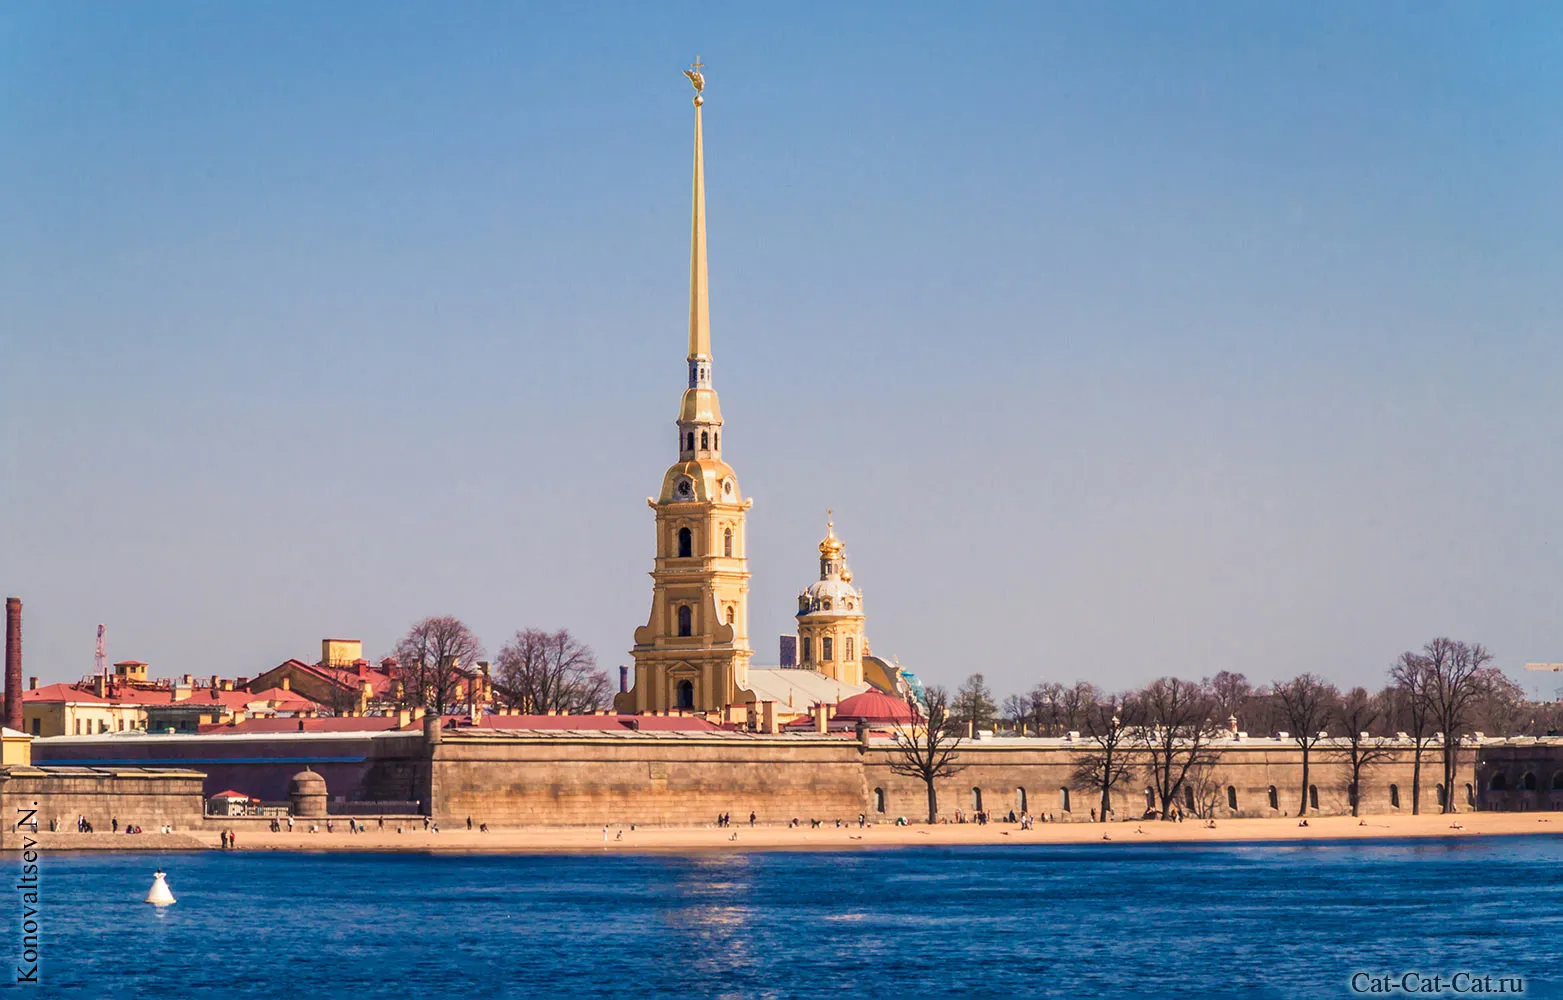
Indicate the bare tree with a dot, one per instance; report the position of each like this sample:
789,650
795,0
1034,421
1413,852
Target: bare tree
1307,703
540,671
973,705
1361,713
1413,708
1501,706
1069,710
1016,711
431,656
926,748
1177,729
1231,692
1106,723
1043,698
1454,684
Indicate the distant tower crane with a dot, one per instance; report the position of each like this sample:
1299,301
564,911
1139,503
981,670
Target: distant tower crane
100,661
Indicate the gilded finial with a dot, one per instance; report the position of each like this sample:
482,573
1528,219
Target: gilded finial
698,79
830,548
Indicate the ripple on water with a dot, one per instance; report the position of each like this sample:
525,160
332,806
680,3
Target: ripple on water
1046,921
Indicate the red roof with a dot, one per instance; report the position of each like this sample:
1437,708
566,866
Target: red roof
645,723
346,724
62,692
874,706
230,794
287,700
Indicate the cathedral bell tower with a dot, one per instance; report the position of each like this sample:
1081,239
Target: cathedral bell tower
693,653
830,616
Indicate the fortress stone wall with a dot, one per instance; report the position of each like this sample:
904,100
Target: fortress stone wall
508,779
567,777
1040,776
144,797
594,778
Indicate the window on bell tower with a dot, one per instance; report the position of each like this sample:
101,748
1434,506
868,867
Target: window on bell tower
727,543
825,648
686,543
849,648
686,621
808,650
730,615
690,446
705,440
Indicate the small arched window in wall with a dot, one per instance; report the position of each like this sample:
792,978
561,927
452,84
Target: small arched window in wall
1063,799
1394,796
716,439
1150,800
1499,783
686,620
1020,800
1313,796
1188,798
849,647
1274,801
727,543
976,800
686,543
879,800
690,443
1470,795
825,648
1557,782
1232,798
705,440
1439,788
731,614
1528,782
686,694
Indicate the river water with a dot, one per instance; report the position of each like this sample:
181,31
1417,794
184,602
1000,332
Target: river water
1111,920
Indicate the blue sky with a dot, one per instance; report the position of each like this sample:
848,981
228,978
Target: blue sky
1125,340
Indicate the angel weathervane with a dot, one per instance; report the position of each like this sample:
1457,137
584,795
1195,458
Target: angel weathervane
698,79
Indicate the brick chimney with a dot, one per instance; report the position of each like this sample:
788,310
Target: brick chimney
13,662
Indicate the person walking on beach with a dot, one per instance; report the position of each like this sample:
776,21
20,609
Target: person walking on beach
290,824
224,838
469,824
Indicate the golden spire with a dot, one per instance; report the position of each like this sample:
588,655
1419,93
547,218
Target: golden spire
699,300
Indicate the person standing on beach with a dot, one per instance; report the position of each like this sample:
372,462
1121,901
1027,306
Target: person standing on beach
224,838
751,817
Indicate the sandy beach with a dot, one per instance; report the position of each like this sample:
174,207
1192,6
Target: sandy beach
694,839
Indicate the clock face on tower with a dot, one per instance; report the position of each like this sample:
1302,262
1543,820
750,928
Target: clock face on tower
727,487
685,490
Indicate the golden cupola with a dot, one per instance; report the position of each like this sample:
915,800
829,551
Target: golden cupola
830,615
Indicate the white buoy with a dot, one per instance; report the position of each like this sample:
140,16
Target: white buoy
159,895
